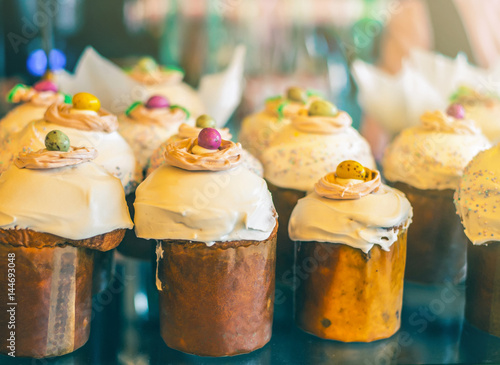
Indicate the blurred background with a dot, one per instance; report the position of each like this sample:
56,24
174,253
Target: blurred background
288,41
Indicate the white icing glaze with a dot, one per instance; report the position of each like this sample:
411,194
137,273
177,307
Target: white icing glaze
114,154
204,206
429,159
296,160
146,138
159,255
359,223
478,197
19,117
74,202
258,129
487,118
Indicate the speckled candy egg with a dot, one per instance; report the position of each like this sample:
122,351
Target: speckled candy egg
350,169
57,141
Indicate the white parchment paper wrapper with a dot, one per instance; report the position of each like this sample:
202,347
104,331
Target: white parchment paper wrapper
426,82
219,94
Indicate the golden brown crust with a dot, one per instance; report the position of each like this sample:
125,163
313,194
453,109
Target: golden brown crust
284,201
222,245
53,300
347,295
437,245
31,239
218,300
482,305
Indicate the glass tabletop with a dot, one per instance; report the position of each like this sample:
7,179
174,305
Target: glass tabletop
125,330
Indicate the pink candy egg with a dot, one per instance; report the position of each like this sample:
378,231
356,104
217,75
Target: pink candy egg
209,138
45,85
456,111
156,102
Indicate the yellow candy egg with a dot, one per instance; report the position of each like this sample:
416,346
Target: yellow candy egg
86,101
351,170
303,112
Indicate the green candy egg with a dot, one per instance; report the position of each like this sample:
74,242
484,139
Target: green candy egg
205,121
296,94
147,64
350,169
322,108
57,141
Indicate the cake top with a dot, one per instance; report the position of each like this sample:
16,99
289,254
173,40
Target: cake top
59,190
42,94
158,111
203,193
203,121
187,131
148,71
86,124
351,206
434,154
478,197
483,108
351,181
314,143
207,152
57,153
85,113
288,105
469,97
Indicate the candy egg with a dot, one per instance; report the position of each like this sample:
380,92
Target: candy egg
147,64
57,141
49,76
351,170
456,111
322,108
296,94
209,138
205,121
156,102
45,85
86,101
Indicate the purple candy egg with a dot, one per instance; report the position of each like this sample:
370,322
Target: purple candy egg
209,138
156,102
45,85
456,111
